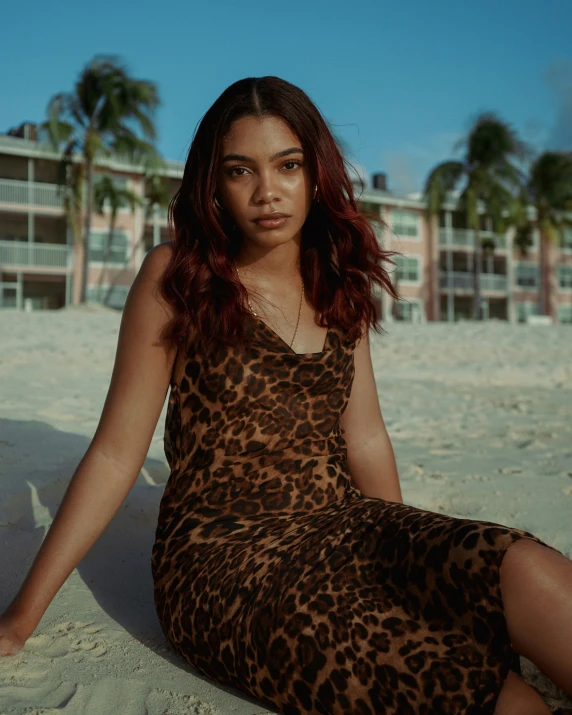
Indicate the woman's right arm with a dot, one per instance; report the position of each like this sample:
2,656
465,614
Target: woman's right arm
109,468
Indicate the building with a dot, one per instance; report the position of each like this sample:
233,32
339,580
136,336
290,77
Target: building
434,276
40,263
38,258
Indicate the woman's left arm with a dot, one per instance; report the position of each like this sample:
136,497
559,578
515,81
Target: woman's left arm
371,461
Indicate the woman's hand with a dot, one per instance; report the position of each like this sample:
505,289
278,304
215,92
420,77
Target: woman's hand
13,635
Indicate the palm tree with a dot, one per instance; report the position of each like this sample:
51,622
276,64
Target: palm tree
108,194
96,120
549,190
489,176
70,188
156,194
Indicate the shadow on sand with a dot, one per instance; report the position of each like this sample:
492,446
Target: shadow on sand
117,569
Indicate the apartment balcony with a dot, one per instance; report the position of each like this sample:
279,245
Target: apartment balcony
35,257
465,238
23,195
465,281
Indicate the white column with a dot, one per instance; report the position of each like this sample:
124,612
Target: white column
385,239
69,274
449,255
19,291
156,226
31,226
138,227
511,314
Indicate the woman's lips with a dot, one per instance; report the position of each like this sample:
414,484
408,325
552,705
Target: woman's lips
272,222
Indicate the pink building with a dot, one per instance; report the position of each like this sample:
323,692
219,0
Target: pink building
39,263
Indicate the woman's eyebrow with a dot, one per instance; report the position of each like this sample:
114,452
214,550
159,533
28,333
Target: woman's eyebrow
284,152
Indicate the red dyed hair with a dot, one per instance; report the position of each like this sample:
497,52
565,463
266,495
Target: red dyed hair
340,258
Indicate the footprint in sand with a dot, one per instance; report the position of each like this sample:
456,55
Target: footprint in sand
127,696
41,700
38,681
68,637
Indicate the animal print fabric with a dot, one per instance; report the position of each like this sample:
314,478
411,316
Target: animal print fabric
275,575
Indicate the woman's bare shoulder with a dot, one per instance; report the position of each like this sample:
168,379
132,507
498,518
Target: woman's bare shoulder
147,284
157,259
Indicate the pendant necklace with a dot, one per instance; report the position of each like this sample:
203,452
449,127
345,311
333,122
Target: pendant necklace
299,310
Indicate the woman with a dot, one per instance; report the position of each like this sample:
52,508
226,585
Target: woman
285,563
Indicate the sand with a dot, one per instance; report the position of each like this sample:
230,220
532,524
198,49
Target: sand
479,416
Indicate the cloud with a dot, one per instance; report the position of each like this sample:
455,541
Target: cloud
408,168
402,175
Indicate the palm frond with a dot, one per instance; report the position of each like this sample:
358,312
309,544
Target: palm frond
104,190
523,239
492,140
551,180
440,183
127,145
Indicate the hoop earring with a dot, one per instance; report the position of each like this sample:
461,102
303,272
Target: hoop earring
217,205
315,192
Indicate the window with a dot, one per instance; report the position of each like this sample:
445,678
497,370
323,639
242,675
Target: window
408,311
117,295
565,313
525,308
118,249
526,275
564,274
407,268
405,223
566,238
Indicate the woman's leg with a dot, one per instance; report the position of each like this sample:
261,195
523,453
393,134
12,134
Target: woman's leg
518,697
536,587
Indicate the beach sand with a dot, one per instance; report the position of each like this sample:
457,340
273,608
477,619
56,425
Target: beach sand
480,420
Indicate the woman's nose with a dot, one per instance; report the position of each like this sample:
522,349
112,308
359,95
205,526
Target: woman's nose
266,189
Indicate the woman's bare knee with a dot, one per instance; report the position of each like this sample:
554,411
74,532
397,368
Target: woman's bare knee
518,697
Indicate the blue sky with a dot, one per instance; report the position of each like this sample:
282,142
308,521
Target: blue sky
398,81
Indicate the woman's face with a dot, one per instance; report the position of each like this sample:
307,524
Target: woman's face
263,170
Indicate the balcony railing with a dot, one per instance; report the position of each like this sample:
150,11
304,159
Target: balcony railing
44,255
466,238
30,194
466,281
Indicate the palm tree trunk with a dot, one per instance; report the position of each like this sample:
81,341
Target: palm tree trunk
87,229
477,265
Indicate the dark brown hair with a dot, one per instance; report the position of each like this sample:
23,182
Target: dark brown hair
340,258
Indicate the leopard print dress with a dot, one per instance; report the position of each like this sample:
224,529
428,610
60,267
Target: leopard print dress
273,574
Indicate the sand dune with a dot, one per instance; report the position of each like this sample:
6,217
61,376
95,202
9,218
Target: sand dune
479,417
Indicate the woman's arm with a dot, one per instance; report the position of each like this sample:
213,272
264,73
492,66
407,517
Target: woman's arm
371,461
109,468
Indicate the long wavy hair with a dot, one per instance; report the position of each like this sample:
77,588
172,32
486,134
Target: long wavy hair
340,258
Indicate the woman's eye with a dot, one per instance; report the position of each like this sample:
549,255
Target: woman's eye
293,163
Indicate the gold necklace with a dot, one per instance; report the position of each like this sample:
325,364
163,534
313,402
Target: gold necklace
299,310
